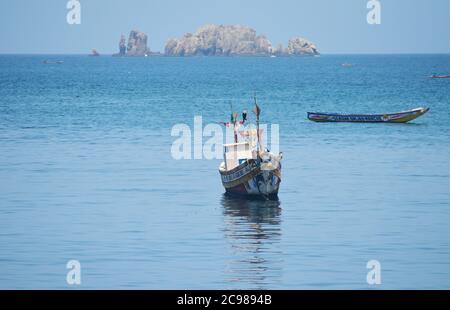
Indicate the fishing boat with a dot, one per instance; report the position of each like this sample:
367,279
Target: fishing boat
440,76
49,62
399,117
248,169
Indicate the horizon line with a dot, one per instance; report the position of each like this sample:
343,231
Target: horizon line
220,56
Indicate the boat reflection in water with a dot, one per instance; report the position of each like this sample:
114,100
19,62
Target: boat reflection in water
253,230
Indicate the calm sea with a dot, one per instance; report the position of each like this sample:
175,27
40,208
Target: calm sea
86,173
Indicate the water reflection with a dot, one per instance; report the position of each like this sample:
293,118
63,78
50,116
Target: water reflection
253,230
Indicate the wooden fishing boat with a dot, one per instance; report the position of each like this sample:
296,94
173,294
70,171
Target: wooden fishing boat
247,169
399,117
49,62
244,172
440,76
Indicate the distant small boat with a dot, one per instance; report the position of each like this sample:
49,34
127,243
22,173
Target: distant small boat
48,62
399,117
347,65
434,76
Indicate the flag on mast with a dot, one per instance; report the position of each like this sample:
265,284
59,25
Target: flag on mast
234,117
257,109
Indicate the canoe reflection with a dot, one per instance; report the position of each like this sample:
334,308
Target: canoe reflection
253,230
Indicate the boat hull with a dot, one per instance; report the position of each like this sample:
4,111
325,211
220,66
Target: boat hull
400,117
252,179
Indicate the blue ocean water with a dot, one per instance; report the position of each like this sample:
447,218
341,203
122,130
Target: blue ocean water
86,173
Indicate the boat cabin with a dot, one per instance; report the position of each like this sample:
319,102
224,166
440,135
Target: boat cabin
235,154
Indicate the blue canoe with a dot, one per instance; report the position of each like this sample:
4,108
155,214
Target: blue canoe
399,117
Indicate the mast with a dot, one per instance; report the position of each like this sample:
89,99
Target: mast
235,115
233,121
257,112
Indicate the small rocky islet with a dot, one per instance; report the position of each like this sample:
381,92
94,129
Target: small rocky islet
217,40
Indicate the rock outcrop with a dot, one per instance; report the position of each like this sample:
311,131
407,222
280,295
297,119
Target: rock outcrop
122,46
300,46
137,44
228,40
214,40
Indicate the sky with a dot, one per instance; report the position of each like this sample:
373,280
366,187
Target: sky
335,26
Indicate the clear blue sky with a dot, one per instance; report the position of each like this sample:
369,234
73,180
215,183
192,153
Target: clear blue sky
336,26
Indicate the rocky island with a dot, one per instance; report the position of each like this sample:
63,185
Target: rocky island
217,40
229,40
137,45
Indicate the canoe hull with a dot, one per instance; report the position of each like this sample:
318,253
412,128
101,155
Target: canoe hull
252,179
400,117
